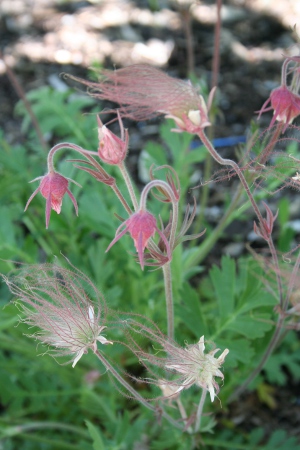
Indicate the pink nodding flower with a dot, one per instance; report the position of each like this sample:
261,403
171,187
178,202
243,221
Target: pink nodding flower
53,187
144,92
112,150
284,103
141,226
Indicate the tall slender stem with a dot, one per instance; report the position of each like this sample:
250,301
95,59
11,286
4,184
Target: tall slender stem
200,410
174,200
129,185
169,299
133,392
183,413
237,169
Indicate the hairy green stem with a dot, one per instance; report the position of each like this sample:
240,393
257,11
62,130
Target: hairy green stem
200,410
237,169
133,392
183,413
129,185
169,298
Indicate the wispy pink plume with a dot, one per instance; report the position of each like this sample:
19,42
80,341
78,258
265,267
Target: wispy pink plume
145,92
64,304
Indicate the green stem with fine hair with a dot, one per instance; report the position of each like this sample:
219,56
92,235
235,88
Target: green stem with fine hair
169,299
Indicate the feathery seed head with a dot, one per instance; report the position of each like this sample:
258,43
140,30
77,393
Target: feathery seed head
64,304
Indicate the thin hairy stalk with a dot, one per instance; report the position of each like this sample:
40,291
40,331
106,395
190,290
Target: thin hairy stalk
133,392
270,146
204,193
237,169
129,185
19,90
292,282
277,270
214,83
271,346
17,429
169,299
183,413
235,166
200,410
87,154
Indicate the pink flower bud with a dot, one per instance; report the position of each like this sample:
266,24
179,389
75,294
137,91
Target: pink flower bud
284,103
141,226
53,187
112,150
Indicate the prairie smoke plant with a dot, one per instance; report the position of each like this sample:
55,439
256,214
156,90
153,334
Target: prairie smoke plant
64,305
144,92
53,187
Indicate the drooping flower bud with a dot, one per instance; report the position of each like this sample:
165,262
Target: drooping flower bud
53,187
112,149
141,226
284,103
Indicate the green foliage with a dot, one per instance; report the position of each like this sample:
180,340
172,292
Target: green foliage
232,304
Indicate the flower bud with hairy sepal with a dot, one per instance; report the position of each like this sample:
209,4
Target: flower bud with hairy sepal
112,149
53,187
141,226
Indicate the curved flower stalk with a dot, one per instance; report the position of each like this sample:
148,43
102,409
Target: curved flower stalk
64,304
54,186
144,92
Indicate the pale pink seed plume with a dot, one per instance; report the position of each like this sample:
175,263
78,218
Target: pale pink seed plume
190,365
64,304
145,92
